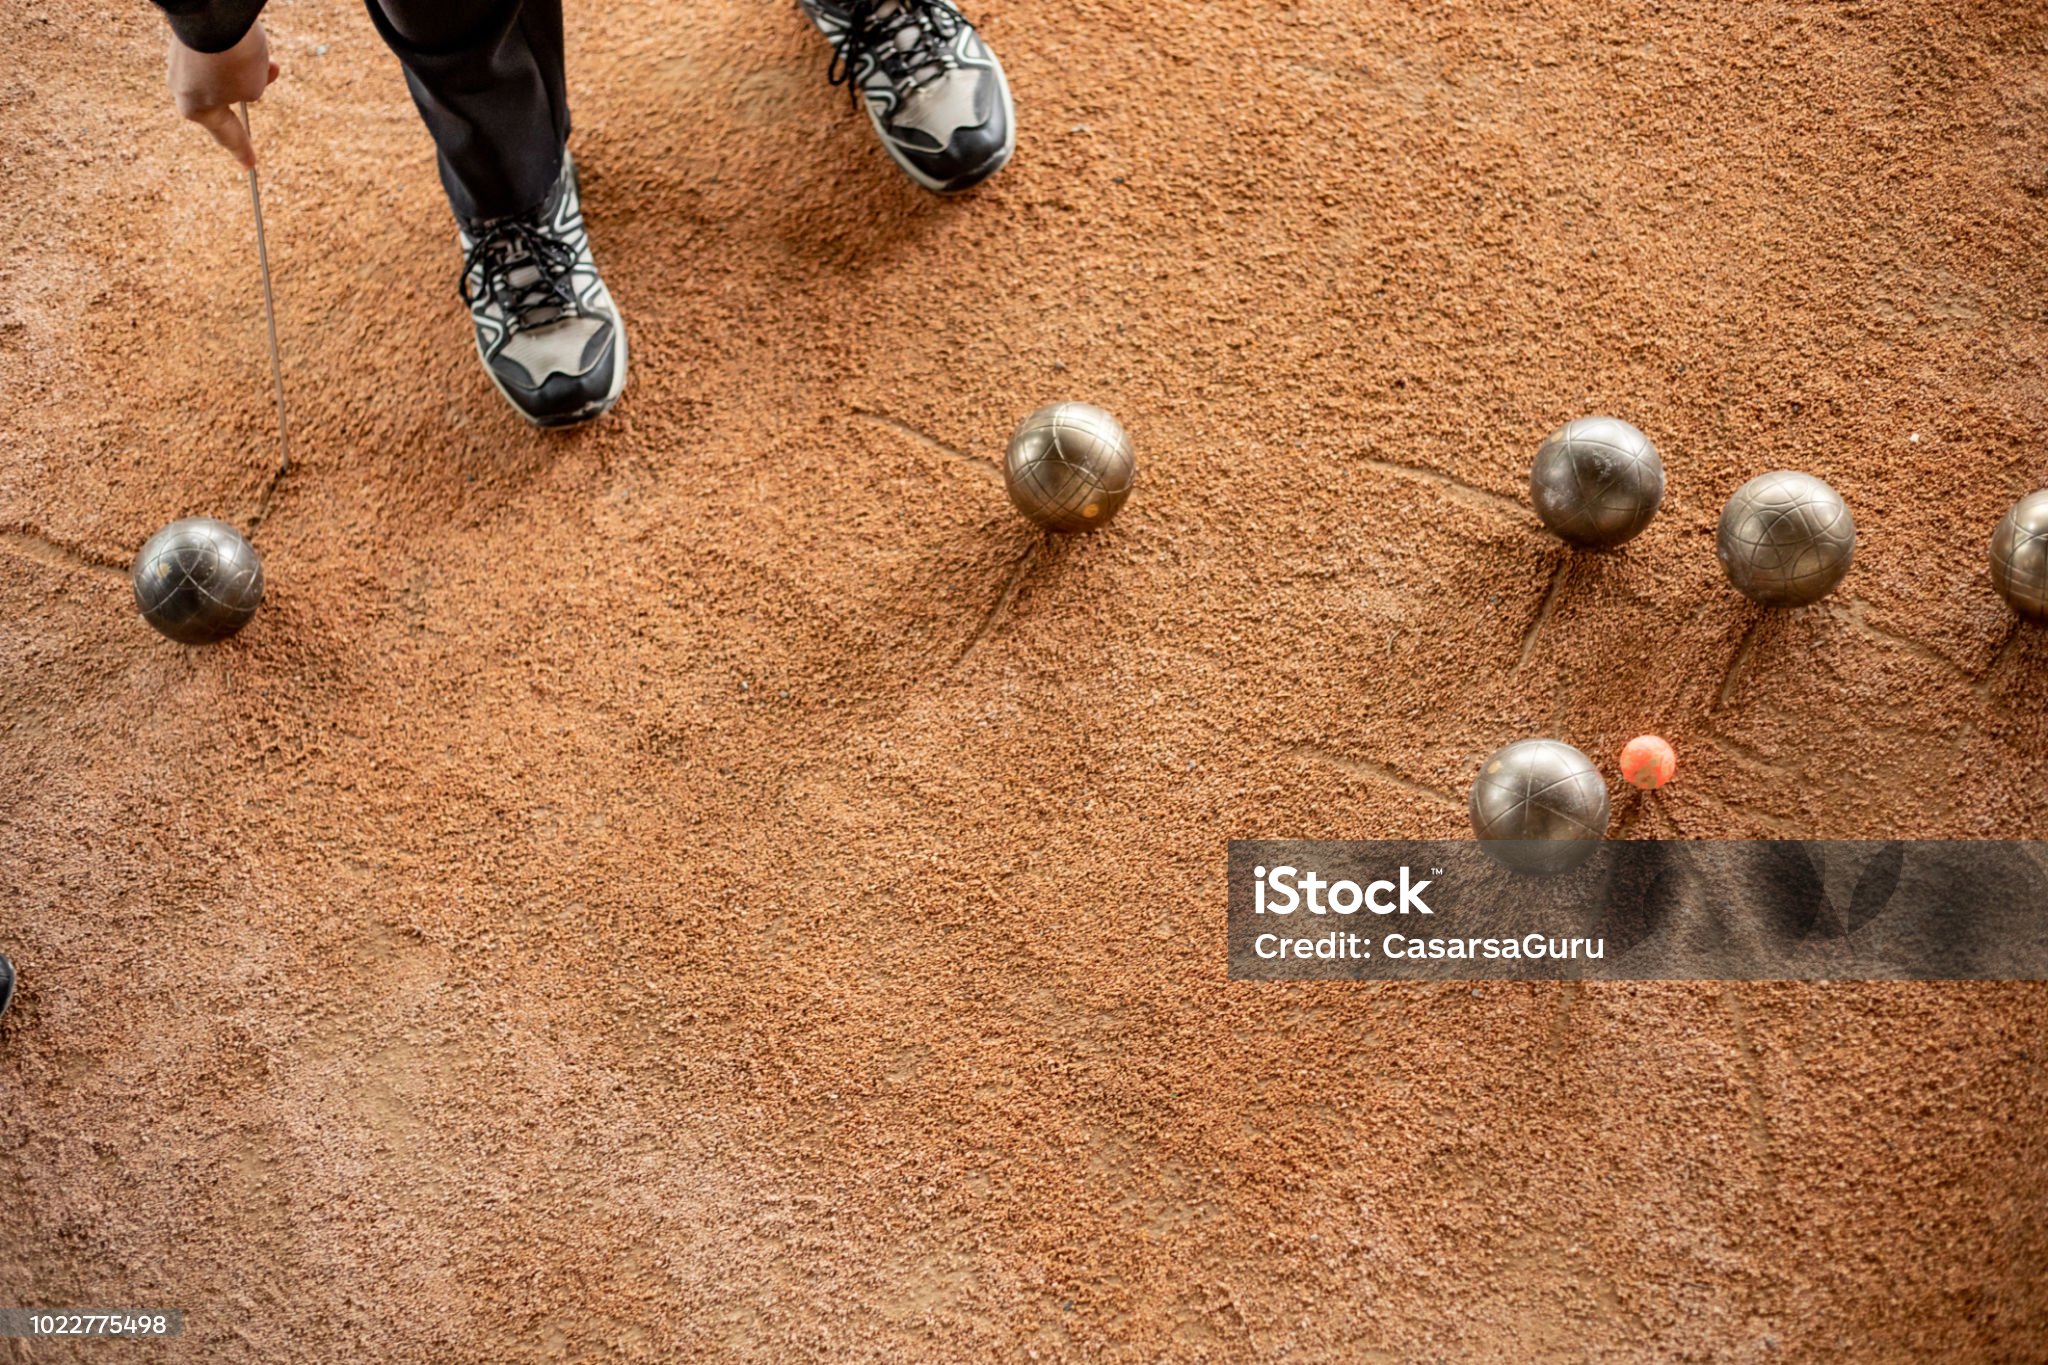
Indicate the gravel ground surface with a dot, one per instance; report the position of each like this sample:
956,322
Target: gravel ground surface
719,886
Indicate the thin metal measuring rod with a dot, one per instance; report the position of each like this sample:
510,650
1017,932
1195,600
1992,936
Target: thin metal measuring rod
284,449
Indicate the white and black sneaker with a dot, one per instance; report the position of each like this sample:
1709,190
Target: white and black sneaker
935,92
550,337
6,983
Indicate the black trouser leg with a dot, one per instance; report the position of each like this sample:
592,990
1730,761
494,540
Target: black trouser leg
487,77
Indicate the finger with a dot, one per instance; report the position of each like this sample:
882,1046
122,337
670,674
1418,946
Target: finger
228,131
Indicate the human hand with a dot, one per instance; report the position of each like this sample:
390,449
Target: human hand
206,86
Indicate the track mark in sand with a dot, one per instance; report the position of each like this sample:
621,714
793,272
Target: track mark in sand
1777,825
1559,1031
263,499
1377,772
926,439
1633,803
1544,609
1753,1091
1852,612
30,545
1648,809
1470,494
1982,683
1000,608
1338,73
1733,673
1751,754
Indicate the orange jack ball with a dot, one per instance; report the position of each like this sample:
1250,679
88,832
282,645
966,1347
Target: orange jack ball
1647,762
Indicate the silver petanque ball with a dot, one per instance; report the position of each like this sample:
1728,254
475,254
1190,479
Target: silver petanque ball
1596,482
2019,557
1539,806
1786,539
1069,467
197,581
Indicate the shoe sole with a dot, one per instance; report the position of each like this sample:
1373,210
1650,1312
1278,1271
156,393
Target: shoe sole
589,411
960,184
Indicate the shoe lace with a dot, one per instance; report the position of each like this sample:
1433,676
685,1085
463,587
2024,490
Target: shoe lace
523,270
910,40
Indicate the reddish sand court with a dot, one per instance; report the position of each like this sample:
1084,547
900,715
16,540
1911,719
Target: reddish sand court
719,885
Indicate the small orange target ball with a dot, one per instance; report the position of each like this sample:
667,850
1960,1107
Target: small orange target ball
1647,762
